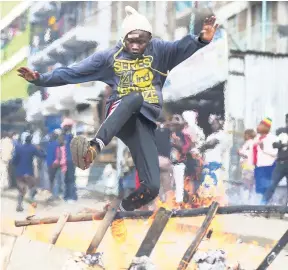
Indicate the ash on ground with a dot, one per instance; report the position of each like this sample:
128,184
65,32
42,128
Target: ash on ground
82,261
214,260
142,263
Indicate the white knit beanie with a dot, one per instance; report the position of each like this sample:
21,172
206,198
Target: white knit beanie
134,21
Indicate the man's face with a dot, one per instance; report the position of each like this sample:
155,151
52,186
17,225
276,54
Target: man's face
137,41
262,129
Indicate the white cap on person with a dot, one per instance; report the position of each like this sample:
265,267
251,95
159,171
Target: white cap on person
134,21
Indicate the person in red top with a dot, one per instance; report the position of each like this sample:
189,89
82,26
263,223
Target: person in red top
60,164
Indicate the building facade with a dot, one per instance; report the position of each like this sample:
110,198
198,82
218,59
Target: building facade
15,32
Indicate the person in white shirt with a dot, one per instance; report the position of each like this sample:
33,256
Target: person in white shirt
246,161
214,150
196,133
264,156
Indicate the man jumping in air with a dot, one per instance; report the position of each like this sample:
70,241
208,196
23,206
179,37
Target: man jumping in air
135,69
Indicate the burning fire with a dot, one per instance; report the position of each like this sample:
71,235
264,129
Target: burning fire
120,245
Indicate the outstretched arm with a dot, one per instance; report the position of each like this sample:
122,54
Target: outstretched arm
89,69
39,152
178,51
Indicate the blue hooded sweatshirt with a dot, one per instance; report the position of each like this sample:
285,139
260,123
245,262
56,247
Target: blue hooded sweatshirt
123,74
23,159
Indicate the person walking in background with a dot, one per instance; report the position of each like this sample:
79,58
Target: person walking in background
23,162
6,156
281,169
44,175
70,192
264,156
246,161
36,140
60,164
50,158
194,162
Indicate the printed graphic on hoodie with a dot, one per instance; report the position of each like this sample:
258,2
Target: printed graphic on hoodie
136,75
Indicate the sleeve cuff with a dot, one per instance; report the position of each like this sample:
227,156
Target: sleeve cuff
36,82
203,41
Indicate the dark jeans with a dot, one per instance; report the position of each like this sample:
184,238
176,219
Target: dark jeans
263,178
138,133
22,183
70,192
280,171
52,173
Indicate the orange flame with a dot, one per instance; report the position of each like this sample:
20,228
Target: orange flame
119,230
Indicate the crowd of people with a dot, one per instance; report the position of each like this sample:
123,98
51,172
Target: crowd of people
192,166
39,162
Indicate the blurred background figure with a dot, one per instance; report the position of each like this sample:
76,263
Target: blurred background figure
23,162
6,156
194,161
264,156
281,169
60,167
44,183
70,192
51,157
212,186
181,145
246,161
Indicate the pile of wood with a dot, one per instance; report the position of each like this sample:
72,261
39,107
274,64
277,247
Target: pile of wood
160,221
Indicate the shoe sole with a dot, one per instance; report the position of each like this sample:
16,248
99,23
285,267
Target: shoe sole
79,147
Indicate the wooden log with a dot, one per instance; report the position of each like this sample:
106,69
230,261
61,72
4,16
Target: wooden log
198,238
59,227
104,225
146,214
161,219
283,241
51,220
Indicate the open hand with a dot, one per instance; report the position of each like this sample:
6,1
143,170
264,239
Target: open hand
28,74
209,28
